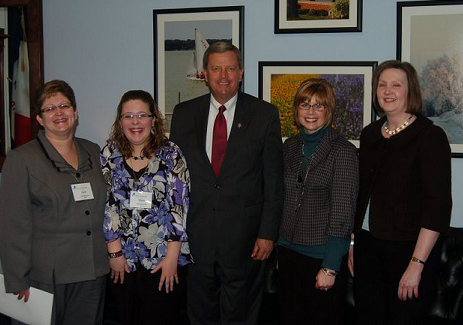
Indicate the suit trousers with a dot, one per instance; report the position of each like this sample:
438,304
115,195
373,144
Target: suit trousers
378,268
141,303
223,295
300,302
77,303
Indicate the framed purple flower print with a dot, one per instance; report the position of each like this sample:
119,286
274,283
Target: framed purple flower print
278,82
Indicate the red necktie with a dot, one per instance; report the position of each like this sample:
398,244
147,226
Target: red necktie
219,141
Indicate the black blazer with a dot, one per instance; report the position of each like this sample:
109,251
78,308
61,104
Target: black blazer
406,179
228,213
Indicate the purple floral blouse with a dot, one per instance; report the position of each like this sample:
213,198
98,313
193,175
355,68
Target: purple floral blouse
144,232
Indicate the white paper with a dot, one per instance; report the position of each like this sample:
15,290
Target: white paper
37,311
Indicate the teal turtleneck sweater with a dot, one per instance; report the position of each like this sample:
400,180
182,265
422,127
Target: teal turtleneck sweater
310,143
335,248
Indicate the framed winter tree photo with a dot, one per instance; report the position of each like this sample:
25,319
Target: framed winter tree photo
429,36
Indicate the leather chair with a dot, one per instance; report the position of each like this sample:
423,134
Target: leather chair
448,304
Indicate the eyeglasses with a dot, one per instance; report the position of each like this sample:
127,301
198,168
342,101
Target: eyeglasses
140,116
52,108
316,107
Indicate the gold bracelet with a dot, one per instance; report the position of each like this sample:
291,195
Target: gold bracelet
329,272
115,254
417,260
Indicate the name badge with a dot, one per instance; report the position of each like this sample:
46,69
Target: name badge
82,191
139,199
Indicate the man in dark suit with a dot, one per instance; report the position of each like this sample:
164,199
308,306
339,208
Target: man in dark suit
236,191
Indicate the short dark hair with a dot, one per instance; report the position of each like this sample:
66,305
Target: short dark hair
52,88
157,137
414,98
221,47
322,90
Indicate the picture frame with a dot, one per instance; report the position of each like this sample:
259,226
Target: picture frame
325,16
279,80
180,37
429,37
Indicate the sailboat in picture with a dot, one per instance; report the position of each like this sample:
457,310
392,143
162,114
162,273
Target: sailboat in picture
195,68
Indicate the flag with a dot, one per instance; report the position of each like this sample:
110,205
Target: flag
20,105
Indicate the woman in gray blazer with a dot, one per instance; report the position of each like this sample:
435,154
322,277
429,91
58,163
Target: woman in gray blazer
52,207
321,184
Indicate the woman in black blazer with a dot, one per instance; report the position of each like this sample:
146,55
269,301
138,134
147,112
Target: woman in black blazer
404,203
321,183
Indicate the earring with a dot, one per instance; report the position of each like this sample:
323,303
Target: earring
152,131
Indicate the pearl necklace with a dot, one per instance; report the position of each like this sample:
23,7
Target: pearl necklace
400,128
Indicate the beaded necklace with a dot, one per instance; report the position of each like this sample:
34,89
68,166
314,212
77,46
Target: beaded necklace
398,129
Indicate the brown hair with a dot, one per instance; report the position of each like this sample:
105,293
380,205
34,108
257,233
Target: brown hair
52,88
221,47
414,99
117,136
322,90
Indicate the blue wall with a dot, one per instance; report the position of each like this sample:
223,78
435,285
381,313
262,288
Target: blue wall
104,48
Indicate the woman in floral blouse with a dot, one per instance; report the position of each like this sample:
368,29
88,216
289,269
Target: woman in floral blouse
145,214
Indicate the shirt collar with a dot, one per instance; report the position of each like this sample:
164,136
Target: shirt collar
230,105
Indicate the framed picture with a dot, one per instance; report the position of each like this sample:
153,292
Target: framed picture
429,36
278,82
321,16
181,36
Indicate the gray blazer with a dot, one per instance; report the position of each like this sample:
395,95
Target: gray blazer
326,191
45,235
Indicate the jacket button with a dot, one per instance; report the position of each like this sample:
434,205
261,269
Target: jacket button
89,233
87,212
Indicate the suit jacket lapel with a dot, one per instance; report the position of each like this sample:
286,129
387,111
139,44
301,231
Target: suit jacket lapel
240,123
324,147
295,150
200,120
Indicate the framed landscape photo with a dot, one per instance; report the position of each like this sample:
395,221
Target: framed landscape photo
278,82
181,37
320,16
430,37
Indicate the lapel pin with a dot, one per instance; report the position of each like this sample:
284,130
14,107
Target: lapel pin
239,125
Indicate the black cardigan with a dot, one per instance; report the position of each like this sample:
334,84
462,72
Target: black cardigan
408,179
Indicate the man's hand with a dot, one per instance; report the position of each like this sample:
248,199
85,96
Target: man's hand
262,249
